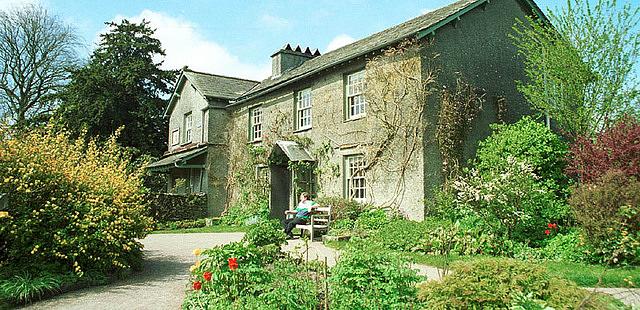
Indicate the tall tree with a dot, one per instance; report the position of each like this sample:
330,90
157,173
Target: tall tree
36,51
121,85
583,68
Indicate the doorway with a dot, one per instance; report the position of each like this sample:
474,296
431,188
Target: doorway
280,191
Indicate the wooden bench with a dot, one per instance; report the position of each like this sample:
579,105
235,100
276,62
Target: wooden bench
319,220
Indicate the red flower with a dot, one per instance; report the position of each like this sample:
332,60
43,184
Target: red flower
550,225
546,232
197,285
207,275
233,263
555,226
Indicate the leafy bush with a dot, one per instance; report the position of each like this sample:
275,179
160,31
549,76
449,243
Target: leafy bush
498,283
371,220
467,237
165,207
511,200
525,141
404,235
566,247
343,227
368,278
342,208
609,211
244,276
616,148
24,287
246,211
265,233
73,204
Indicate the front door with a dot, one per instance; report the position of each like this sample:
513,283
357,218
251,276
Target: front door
280,191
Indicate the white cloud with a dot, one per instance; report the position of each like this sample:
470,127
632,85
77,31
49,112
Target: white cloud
339,41
272,21
184,45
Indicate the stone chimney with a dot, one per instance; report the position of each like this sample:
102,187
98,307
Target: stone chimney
288,58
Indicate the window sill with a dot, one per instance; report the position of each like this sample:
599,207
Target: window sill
302,129
185,143
355,118
255,141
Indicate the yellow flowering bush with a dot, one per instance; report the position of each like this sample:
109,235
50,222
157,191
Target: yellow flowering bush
74,204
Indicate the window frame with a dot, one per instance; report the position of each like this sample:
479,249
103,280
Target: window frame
350,94
301,108
349,187
188,130
175,137
255,128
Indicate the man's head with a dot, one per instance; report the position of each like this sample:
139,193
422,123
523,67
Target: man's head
304,196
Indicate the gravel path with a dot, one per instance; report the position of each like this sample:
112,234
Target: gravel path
160,285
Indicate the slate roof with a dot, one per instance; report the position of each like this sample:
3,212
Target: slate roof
361,47
218,86
172,159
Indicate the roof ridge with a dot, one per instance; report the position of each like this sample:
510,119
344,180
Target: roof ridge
220,75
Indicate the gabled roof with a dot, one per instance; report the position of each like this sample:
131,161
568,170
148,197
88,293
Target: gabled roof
211,86
419,26
176,159
218,86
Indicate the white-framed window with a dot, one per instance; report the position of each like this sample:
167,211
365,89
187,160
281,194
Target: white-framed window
356,103
303,109
255,123
188,127
175,136
356,184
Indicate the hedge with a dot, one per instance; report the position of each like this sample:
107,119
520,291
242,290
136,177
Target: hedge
166,207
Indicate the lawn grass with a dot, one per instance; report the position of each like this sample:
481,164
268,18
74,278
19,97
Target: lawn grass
584,275
206,229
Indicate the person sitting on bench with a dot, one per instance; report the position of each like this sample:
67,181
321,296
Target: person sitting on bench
302,214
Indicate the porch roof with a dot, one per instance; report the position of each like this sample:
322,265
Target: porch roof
294,151
176,159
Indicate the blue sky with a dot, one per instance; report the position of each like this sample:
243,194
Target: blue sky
237,37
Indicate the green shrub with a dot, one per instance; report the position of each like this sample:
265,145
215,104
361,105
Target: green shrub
609,211
343,227
404,235
73,204
467,237
528,141
265,233
371,220
24,287
165,207
181,224
260,281
342,208
500,283
246,211
566,247
368,278
511,200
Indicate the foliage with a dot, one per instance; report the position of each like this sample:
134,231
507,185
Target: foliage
581,71
122,85
609,211
371,220
344,227
25,287
458,109
71,203
501,283
36,50
265,233
568,247
257,281
404,235
616,148
369,278
165,207
512,199
343,208
252,203
183,224
526,141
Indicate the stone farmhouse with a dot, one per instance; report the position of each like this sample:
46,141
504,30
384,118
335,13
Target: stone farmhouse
314,109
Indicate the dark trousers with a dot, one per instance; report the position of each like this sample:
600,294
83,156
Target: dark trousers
290,224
